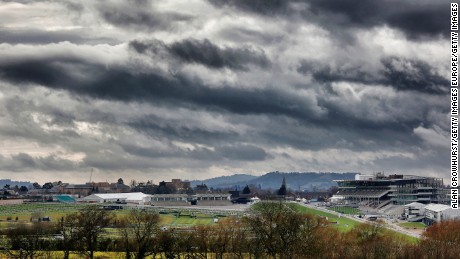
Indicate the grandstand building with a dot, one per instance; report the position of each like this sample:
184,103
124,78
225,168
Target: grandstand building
379,190
208,199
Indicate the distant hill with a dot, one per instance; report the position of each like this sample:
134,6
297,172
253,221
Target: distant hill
4,182
225,181
294,180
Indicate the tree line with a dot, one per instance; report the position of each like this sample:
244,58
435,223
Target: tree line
271,231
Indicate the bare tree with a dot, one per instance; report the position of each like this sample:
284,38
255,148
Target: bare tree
90,223
68,230
442,240
27,241
168,243
280,232
139,230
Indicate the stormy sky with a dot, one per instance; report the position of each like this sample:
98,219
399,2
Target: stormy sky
195,89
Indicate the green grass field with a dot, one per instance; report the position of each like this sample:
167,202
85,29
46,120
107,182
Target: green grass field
171,220
346,210
416,225
343,224
23,212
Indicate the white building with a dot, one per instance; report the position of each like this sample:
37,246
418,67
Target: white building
439,212
414,211
130,197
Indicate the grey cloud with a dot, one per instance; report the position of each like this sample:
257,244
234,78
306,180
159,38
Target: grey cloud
139,15
204,52
24,162
234,99
158,127
266,7
208,54
420,18
120,84
414,75
242,152
325,73
415,18
116,84
236,152
34,36
248,35
396,72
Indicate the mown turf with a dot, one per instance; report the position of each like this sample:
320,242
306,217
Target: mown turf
343,224
171,220
346,210
417,225
24,212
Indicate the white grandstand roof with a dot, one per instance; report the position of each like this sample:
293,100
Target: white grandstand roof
437,207
122,196
415,204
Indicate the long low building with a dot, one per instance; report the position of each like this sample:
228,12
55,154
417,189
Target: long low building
130,197
208,199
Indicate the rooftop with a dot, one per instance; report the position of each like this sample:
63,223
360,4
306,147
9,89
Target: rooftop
437,207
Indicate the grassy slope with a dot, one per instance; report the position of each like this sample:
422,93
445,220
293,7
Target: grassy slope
346,210
343,222
171,220
417,225
56,212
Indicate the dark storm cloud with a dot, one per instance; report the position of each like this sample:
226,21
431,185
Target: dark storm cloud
23,162
157,127
414,75
236,152
139,15
417,18
400,73
35,36
325,73
208,54
188,87
42,72
23,1
266,7
242,152
248,35
120,84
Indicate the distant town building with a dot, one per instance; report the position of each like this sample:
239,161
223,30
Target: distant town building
201,188
180,185
92,187
76,189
